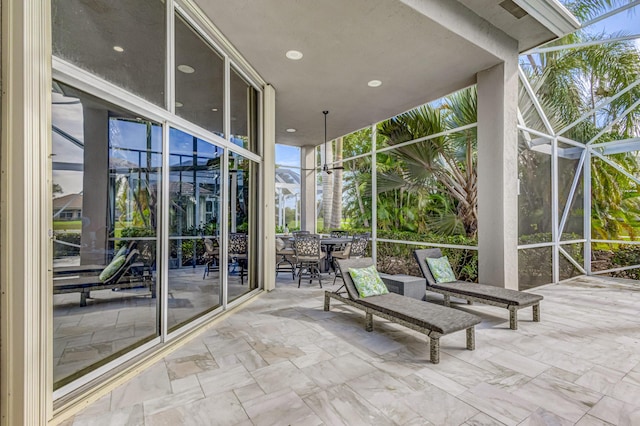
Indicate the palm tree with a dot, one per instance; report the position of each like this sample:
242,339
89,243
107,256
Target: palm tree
573,81
445,163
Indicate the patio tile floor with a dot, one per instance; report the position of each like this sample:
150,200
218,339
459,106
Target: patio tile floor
281,359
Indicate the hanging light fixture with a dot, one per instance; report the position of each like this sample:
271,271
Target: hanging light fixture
325,167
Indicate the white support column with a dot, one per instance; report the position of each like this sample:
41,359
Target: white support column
25,214
268,189
498,174
308,188
586,209
555,235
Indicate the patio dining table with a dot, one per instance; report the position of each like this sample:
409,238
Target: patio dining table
329,243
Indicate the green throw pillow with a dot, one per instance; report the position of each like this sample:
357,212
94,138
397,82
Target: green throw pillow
112,268
441,269
121,252
367,281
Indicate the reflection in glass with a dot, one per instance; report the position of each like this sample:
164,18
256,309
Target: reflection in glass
199,79
244,113
242,243
194,227
121,41
106,178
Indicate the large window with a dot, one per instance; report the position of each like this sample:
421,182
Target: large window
154,230
194,227
121,41
199,80
106,177
243,238
244,112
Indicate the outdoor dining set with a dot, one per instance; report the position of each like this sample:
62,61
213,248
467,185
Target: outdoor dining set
308,255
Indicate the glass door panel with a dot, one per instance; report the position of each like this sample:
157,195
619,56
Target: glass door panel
194,212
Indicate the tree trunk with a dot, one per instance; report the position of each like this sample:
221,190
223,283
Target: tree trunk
365,221
336,210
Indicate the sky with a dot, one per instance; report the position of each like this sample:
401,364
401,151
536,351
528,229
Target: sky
627,22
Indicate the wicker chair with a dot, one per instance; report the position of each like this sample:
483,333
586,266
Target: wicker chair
285,253
238,253
309,256
211,255
357,248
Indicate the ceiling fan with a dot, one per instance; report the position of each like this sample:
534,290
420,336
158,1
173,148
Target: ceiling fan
325,167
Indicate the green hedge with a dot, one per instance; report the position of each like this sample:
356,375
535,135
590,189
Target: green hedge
63,250
627,255
397,258
535,264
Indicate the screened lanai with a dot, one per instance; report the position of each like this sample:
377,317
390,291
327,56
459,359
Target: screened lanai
578,165
142,188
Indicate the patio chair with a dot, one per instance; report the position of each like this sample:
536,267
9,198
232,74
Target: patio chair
427,318
338,233
211,255
285,253
309,256
238,253
357,248
513,300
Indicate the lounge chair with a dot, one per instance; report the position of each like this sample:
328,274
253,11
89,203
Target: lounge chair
513,300
427,318
85,284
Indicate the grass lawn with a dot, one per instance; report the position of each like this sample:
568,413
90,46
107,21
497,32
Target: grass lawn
67,225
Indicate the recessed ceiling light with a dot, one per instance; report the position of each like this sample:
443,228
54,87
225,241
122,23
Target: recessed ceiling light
179,104
186,69
294,55
118,49
291,130
214,109
374,83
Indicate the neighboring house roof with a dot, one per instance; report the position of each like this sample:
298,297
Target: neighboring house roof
68,202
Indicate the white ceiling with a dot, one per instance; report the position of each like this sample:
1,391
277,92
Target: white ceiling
348,43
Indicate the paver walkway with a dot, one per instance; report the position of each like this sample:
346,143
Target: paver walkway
282,360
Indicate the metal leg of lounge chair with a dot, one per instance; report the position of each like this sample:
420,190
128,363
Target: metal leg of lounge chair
327,301
536,312
447,300
434,349
368,321
471,338
83,298
513,317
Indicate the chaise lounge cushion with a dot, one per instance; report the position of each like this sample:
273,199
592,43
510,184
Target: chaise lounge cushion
489,292
437,318
440,319
496,294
